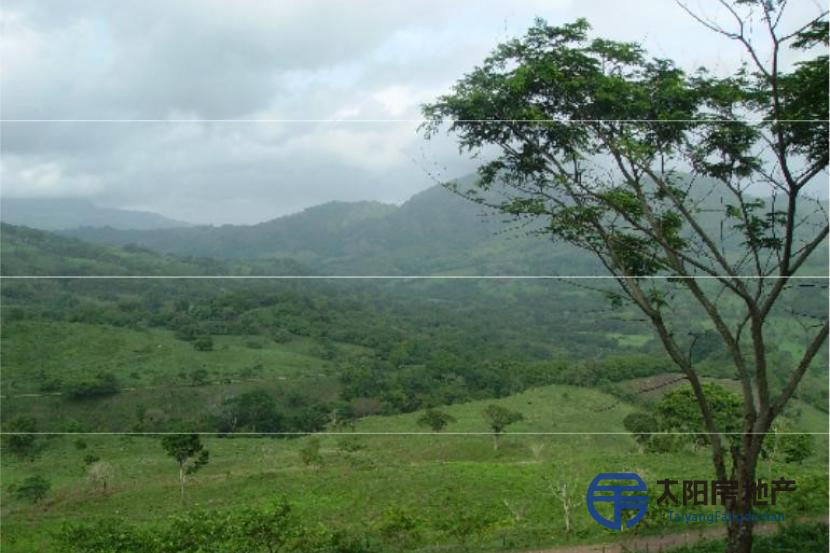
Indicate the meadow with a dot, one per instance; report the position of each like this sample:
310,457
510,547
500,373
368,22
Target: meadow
449,488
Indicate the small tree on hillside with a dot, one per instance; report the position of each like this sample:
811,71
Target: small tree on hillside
189,453
33,489
641,426
100,475
19,437
499,418
435,420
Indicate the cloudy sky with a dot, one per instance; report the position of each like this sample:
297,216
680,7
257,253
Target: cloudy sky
118,102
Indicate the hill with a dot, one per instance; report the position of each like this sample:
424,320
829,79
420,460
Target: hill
433,232
66,213
27,251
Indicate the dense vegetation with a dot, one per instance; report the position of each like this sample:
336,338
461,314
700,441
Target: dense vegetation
285,356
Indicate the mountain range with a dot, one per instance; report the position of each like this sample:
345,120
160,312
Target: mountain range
68,213
434,232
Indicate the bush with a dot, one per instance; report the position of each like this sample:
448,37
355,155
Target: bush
203,343
310,452
272,528
24,443
641,425
32,489
104,384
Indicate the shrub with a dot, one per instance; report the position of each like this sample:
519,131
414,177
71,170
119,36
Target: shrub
102,385
32,489
23,442
203,343
310,452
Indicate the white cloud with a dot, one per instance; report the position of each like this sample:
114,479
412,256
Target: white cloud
248,59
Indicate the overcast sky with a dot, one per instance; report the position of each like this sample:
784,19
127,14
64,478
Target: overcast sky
366,64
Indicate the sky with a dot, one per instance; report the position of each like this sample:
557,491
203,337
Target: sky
220,111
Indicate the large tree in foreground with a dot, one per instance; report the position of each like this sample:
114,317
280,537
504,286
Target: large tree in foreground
622,155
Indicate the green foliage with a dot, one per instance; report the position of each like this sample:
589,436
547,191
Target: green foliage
465,523
499,418
272,528
102,385
435,420
785,444
400,527
19,436
105,536
254,411
678,411
310,452
32,489
641,425
188,451
203,343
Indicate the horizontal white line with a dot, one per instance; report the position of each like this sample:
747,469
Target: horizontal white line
405,277
702,121
395,433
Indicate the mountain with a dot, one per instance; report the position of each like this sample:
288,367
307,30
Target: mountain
28,251
434,231
67,213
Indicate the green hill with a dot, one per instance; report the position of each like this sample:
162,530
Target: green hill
434,232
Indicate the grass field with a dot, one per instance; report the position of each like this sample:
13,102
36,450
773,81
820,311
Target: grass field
37,351
364,480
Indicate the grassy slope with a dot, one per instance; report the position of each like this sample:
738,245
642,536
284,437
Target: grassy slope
428,476
152,366
73,351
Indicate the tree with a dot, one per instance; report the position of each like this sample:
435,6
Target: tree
499,418
20,436
189,453
32,489
569,498
785,444
677,411
100,475
641,425
435,420
254,411
617,153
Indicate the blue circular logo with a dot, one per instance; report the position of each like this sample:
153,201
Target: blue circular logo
626,496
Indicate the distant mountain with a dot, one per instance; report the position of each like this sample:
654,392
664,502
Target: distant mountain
28,251
60,214
435,231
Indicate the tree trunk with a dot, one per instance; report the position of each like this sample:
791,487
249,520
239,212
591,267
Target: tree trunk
181,482
495,441
739,537
745,461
